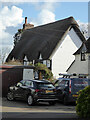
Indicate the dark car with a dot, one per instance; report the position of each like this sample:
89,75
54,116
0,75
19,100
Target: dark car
67,88
33,91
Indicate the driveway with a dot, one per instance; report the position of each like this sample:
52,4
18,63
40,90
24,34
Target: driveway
20,108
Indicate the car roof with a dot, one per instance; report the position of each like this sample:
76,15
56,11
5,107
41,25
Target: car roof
64,79
38,81
72,78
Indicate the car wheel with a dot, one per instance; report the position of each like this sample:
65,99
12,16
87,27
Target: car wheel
30,100
10,96
52,103
65,102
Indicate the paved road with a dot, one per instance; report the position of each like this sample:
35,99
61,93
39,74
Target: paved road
20,109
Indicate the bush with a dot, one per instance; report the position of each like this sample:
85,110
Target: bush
45,71
83,103
14,62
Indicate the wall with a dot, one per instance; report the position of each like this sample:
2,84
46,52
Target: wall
10,77
63,57
79,67
28,74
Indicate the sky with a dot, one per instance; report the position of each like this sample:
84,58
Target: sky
12,15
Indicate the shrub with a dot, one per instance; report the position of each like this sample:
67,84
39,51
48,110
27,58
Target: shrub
45,71
83,103
14,62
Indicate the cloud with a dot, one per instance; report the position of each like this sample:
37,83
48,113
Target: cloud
46,14
9,18
18,1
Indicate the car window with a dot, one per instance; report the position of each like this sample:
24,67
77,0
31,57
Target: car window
62,83
29,83
23,82
45,85
57,83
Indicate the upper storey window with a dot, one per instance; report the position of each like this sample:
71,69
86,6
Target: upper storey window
83,56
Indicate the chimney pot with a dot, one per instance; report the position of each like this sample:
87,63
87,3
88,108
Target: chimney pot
25,20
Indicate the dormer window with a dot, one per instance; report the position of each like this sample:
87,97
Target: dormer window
83,56
40,57
25,60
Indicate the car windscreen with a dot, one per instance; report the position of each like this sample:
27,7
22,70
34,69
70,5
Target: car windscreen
44,85
62,83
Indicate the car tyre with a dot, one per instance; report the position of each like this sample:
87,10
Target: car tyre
30,100
52,103
10,96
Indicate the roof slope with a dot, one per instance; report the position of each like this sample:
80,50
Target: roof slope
43,39
86,44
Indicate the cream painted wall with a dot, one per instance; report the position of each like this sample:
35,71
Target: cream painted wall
63,56
80,67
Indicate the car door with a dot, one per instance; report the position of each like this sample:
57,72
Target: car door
61,88
19,90
30,87
58,90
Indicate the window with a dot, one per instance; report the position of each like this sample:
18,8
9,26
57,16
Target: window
82,56
22,82
63,83
89,57
45,85
29,83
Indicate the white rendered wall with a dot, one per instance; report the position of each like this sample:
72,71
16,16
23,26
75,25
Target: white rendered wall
80,67
63,56
28,74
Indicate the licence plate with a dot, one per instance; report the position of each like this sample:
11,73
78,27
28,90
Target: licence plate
49,91
75,95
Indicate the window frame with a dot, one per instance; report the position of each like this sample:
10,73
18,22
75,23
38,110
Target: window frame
83,56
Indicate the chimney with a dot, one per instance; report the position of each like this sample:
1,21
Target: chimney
25,20
27,25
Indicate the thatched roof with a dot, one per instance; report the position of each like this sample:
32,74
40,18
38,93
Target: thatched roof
43,39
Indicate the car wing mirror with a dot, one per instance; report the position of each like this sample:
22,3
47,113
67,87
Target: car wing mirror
18,85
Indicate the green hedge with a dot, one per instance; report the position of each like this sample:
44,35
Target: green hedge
83,103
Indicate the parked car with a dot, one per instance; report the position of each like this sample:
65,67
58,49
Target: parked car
33,91
67,88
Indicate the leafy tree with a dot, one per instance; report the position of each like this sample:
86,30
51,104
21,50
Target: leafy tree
44,70
17,36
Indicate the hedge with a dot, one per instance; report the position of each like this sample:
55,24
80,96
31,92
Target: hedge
83,103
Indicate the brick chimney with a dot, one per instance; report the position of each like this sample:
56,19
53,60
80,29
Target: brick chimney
27,25
25,20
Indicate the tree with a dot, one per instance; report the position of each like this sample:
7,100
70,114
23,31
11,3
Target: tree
3,54
43,71
17,36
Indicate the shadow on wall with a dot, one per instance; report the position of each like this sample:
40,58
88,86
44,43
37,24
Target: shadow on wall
9,76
